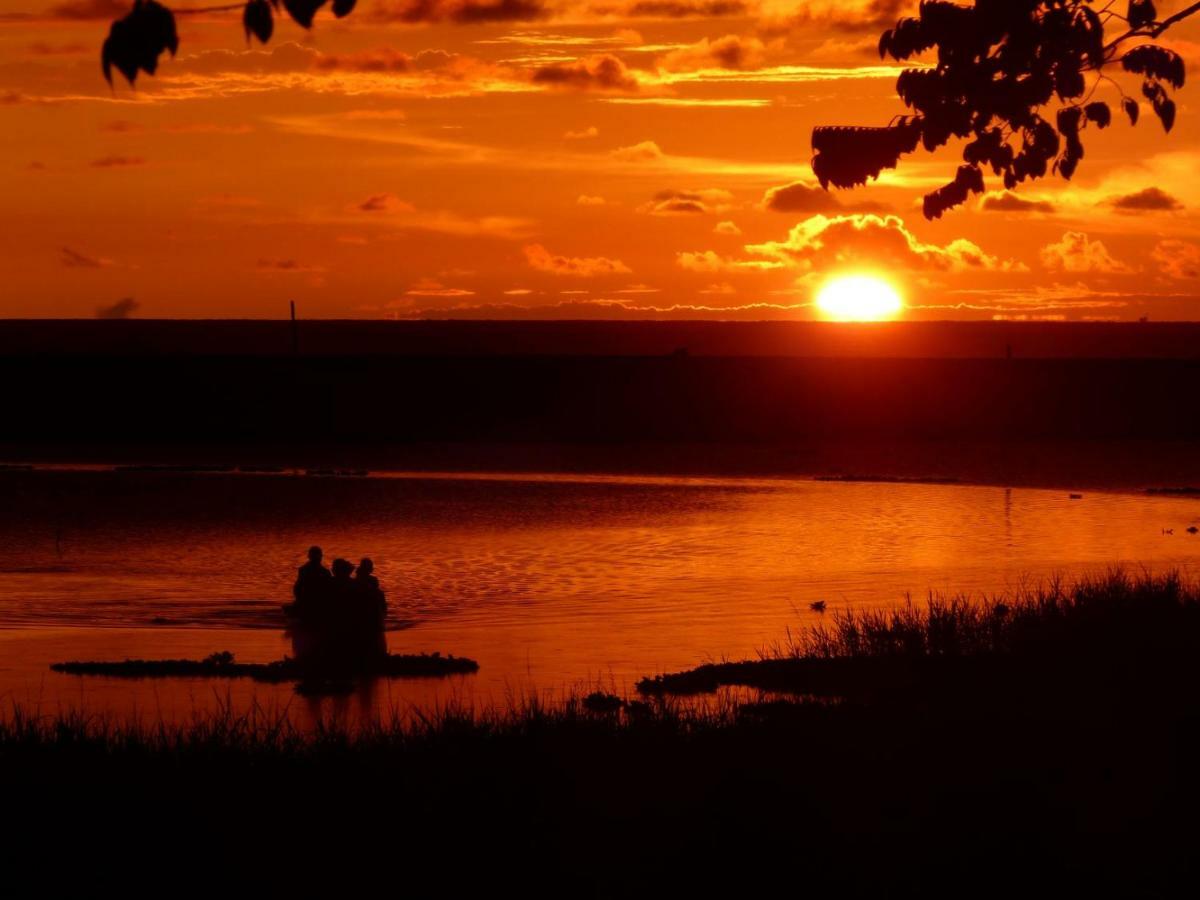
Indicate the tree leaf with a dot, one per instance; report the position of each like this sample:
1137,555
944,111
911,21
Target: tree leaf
302,11
1099,113
1132,109
1141,13
1156,62
135,42
1166,114
342,8
258,20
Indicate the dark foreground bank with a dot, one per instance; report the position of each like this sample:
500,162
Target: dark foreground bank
1048,745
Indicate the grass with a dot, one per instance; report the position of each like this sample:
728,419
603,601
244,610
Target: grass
1115,631
1046,743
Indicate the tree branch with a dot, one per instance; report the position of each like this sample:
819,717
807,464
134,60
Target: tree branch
1156,29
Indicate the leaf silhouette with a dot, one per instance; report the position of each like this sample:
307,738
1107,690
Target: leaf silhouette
258,20
135,42
1131,109
342,8
302,11
1099,113
846,157
1155,62
1141,13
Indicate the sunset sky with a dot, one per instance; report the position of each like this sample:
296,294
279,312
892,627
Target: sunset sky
541,159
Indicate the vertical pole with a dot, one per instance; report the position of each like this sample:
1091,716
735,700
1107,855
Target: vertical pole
295,334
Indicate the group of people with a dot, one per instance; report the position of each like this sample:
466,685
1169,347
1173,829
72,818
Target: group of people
338,614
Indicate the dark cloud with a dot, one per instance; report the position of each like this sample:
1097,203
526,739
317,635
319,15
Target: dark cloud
1007,201
595,73
1152,199
681,9
73,259
543,260
799,197
121,126
117,162
384,203
674,202
384,60
90,9
387,60
41,48
122,309
729,52
462,12
286,265
853,16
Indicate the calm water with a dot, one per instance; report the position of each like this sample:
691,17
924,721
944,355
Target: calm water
549,581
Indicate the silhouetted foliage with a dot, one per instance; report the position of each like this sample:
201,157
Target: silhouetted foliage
137,41
998,64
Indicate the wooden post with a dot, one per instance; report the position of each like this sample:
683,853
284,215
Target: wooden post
295,334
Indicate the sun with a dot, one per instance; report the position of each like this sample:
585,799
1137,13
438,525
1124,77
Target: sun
858,298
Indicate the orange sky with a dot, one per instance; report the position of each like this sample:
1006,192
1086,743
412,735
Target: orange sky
579,158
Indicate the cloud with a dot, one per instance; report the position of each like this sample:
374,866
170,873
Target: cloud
117,162
1007,201
460,12
122,309
1076,253
587,200
676,9
1151,199
429,287
604,72
386,59
42,48
287,266
799,197
1177,259
727,228
709,261
583,134
646,151
121,126
85,10
673,202
73,259
582,267
384,203
842,15
729,52
868,239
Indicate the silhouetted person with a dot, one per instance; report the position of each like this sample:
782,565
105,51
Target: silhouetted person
370,609
369,595
311,589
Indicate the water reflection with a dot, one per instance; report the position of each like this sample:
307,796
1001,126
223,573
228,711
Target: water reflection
545,580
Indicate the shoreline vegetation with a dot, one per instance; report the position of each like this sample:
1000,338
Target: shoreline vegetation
223,665
1046,739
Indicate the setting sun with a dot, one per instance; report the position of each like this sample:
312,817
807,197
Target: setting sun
858,298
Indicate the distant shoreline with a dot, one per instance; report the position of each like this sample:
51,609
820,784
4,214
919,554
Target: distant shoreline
1162,468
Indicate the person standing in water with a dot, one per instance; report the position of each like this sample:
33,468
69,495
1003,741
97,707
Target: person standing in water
369,594
313,582
370,608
